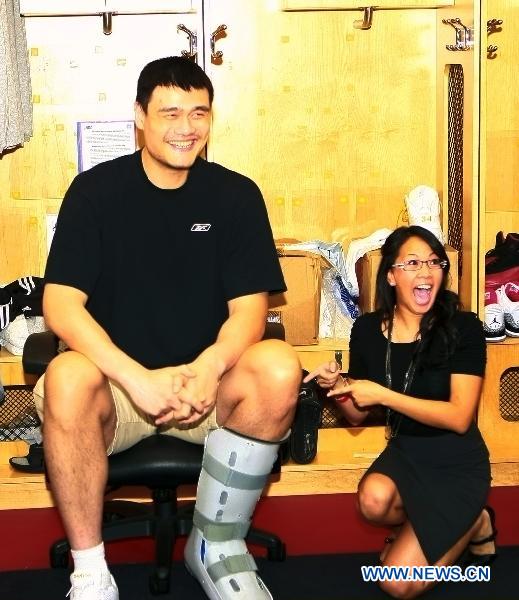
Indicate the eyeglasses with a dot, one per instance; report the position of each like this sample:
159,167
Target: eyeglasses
415,264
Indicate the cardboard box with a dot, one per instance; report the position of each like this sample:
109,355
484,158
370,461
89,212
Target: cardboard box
298,308
367,267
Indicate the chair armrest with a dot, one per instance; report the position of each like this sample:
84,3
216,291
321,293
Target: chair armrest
38,351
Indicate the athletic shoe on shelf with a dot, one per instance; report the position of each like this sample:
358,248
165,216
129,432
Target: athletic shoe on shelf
423,207
504,255
512,290
496,280
491,255
511,308
494,324
93,586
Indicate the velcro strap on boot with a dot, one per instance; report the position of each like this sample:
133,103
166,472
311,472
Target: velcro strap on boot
214,531
231,478
231,565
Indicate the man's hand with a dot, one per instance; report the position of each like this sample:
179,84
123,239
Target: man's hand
200,389
158,393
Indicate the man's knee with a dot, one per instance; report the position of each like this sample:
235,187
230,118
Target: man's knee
73,383
277,363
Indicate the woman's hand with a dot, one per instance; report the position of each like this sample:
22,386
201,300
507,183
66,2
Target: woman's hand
326,375
363,392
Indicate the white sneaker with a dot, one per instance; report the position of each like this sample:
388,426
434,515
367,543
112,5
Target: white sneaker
494,324
93,586
423,208
510,308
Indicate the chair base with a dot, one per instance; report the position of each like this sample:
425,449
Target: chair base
163,521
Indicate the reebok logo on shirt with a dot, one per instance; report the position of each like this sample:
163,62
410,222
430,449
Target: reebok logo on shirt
201,227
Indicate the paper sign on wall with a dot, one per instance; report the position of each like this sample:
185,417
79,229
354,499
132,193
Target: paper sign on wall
99,141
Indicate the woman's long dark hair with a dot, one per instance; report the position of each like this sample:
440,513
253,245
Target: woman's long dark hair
437,322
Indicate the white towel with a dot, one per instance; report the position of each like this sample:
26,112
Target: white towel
356,250
15,84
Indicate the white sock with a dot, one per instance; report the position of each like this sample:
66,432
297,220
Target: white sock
90,559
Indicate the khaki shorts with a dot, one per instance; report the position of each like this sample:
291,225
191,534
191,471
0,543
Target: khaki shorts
133,424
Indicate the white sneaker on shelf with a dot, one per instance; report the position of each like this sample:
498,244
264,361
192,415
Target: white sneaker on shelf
423,208
511,309
93,586
494,324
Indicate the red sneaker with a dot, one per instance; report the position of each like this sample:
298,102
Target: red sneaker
495,280
512,290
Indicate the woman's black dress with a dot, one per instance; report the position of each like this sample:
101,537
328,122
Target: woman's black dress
443,477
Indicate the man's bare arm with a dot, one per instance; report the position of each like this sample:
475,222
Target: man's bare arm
152,390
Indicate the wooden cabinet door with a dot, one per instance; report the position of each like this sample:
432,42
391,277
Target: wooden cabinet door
336,125
354,4
501,118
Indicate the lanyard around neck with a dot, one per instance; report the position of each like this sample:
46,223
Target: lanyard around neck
392,428
409,375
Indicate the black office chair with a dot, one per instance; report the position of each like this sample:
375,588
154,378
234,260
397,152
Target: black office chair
160,463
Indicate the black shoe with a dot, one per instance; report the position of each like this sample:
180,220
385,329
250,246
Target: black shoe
504,255
481,560
33,462
305,428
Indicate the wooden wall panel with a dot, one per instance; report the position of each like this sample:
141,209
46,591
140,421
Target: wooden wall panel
77,74
20,240
335,124
502,112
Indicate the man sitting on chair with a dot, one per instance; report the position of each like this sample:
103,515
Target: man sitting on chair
157,280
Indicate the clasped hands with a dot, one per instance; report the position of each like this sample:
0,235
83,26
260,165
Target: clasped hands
184,393
363,392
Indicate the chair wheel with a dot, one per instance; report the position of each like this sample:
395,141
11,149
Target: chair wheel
58,560
277,553
158,585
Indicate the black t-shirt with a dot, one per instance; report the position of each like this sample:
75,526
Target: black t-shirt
158,266
432,377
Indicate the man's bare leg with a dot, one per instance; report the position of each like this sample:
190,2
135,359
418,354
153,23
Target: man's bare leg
79,425
258,396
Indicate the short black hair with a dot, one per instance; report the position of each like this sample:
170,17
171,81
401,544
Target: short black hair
176,71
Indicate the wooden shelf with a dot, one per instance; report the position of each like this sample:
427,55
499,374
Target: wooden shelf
7,357
343,456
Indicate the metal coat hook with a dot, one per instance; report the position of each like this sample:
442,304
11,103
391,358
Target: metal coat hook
107,23
493,26
491,52
192,37
464,35
367,18
217,55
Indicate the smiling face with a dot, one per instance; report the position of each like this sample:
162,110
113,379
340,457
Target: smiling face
176,128
416,291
